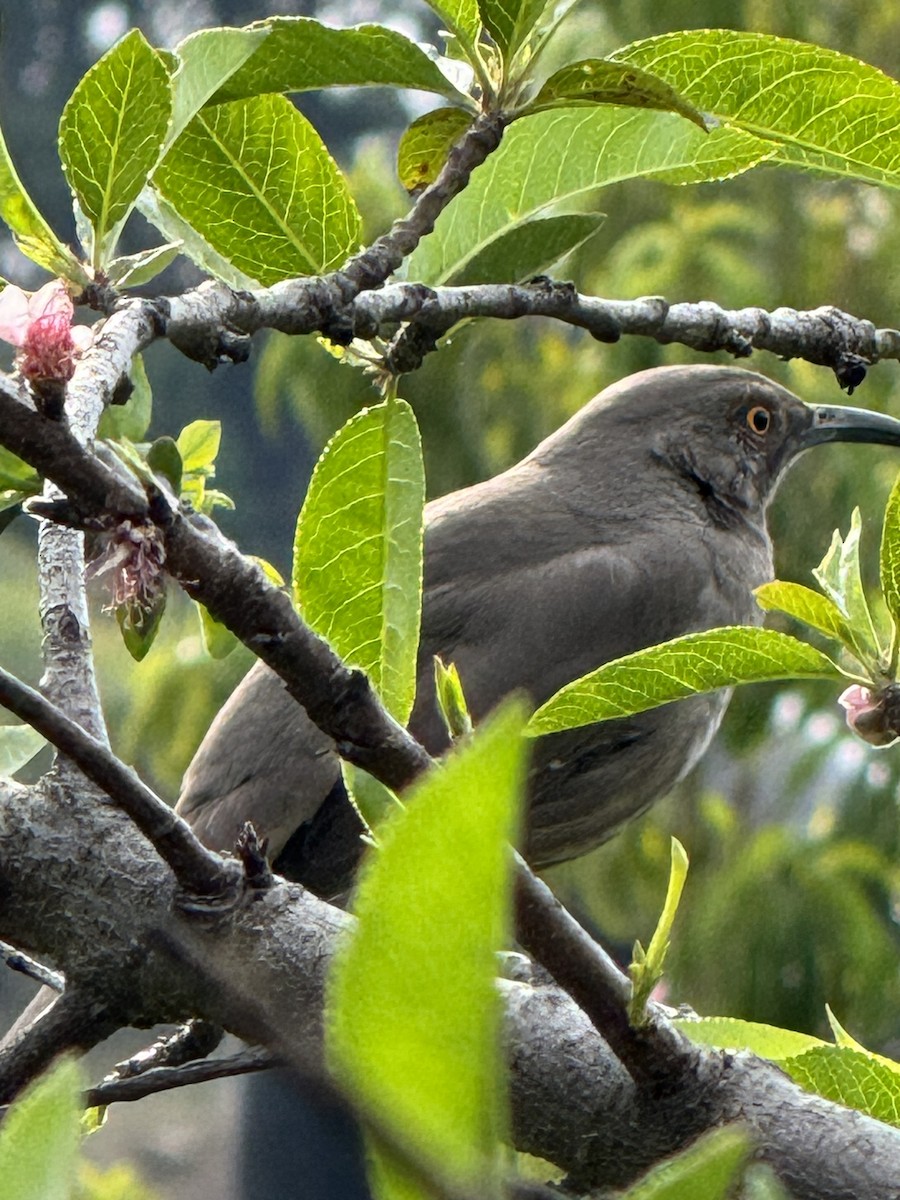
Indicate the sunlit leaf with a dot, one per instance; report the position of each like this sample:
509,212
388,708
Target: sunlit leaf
729,1033
32,234
418,1043
254,179
698,662
821,109
198,444
358,548
137,269
851,1077
646,969
803,604
426,143
111,134
840,576
890,555
554,157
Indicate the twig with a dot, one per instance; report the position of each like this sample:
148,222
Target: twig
117,1090
74,1021
198,870
17,961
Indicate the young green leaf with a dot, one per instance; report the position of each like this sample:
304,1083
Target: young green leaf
255,180
41,1135
218,640
462,19
707,1170
357,573
111,135
890,557
32,234
301,54
451,700
198,445
509,22
803,604
602,81
820,109
418,1044
686,666
140,268
840,577
555,157
131,419
426,143
139,625
855,1078
18,746
164,459
372,799
646,968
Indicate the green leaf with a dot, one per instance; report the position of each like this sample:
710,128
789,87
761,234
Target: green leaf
697,662
301,54
821,110
890,557
451,700
111,134
729,1033
17,474
32,234
18,746
372,799
509,22
207,60
198,445
426,143
851,1077
558,156
140,268
417,1043
131,419
602,81
803,604
40,1137
646,969
256,182
357,573
707,1170
528,250
840,577
218,640
160,213
139,625
164,459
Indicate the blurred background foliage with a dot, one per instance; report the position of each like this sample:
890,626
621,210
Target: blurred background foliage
792,827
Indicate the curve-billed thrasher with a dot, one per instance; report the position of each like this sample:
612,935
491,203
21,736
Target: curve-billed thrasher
641,519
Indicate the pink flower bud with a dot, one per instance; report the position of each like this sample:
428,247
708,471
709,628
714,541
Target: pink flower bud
875,717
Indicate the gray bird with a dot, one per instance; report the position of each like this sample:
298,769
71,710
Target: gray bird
642,518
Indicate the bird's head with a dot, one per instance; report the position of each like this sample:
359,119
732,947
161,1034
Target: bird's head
725,432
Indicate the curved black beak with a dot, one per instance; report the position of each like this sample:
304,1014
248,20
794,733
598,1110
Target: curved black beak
843,424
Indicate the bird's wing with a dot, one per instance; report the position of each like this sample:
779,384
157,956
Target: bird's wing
262,760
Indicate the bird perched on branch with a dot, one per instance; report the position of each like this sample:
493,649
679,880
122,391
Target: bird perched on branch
641,519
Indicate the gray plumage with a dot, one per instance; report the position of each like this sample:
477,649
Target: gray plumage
640,519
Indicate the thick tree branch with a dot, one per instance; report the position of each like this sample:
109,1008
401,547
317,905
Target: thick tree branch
199,871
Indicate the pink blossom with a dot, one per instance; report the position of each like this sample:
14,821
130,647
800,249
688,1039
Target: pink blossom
40,325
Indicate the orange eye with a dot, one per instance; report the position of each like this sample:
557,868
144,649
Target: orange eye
758,418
